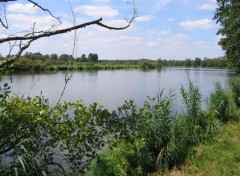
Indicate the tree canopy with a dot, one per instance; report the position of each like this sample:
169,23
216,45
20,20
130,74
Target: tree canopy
228,16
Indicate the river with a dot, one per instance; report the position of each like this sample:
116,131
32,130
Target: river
112,88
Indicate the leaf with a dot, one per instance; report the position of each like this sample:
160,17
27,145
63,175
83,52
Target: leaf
16,171
21,160
44,173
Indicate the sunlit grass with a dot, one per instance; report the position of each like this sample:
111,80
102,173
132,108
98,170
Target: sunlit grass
221,157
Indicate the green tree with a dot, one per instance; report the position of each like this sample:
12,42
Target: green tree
65,57
54,56
228,16
197,62
188,62
93,57
83,58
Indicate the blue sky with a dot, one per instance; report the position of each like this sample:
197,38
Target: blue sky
167,29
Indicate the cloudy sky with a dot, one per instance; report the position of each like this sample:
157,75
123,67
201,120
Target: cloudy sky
167,29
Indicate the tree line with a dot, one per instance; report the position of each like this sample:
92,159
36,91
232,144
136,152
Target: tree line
39,62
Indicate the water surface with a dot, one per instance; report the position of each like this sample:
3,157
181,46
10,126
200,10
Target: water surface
112,88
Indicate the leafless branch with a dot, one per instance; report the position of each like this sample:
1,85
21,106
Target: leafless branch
45,10
6,0
5,25
16,56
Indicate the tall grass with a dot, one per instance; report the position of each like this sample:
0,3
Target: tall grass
222,104
235,87
144,133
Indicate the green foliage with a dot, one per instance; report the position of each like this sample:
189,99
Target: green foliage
73,137
118,160
235,87
194,115
143,131
222,104
227,15
92,57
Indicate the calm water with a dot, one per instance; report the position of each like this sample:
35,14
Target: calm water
111,88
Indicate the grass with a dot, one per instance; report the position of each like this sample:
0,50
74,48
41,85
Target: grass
220,157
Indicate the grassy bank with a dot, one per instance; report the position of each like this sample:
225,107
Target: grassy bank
220,157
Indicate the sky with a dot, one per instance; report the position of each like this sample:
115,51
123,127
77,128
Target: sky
166,29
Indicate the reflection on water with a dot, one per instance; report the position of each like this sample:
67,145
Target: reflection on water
111,88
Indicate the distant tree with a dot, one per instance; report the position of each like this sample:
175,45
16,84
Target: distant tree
83,58
65,57
34,56
197,62
188,62
54,56
46,56
92,57
228,16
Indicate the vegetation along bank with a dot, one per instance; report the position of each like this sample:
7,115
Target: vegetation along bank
72,138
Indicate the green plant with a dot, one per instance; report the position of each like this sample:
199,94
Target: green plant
194,121
222,104
139,135
72,132
235,87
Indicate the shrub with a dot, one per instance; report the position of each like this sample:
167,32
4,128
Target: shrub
140,135
235,87
222,104
72,132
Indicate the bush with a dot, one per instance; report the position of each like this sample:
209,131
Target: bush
33,134
141,134
222,104
235,87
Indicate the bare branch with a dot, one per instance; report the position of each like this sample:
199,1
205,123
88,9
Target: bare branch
61,31
44,9
6,0
4,16
15,57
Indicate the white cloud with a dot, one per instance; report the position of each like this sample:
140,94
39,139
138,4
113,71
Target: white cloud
207,7
165,32
97,11
156,33
174,39
144,18
160,4
22,21
171,19
152,44
124,40
22,8
201,24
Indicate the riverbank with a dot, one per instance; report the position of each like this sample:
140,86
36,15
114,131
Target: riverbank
220,157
